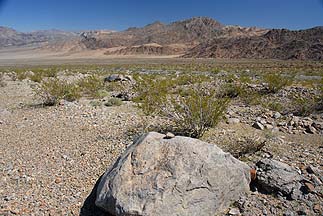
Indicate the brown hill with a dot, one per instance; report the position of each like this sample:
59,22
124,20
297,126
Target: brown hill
198,37
174,38
275,44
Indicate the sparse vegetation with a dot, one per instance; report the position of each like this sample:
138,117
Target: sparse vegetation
113,102
53,90
2,82
92,86
195,114
276,82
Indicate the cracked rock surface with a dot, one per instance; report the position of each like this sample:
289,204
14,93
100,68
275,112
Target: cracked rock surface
178,176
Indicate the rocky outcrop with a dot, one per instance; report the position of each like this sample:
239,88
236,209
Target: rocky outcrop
275,44
276,177
166,175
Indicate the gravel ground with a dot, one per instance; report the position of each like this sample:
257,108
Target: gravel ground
50,158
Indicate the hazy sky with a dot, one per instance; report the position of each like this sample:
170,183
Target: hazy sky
28,15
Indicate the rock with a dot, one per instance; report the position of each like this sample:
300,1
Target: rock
311,130
114,78
269,126
169,135
277,115
258,125
234,211
309,187
118,77
233,121
179,176
276,177
316,180
317,208
275,130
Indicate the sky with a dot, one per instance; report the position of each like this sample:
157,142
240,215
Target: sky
29,15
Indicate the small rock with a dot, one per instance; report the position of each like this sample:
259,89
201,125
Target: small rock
309,187
316,180
169,135
277,115
258,125
58,180
233,121
275,130
269,126
311,130
234,211
317,208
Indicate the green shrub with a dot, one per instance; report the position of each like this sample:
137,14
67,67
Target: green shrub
36,77
195,114
91,86
232,90
20,74
276,82
151,95
304,106
53,90
189,112
113,102
275,106
250,97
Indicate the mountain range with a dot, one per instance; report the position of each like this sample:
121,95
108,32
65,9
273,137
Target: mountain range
198,37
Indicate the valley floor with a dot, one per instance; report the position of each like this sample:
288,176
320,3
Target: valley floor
51,157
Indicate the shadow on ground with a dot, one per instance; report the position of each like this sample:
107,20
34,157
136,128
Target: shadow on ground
89,208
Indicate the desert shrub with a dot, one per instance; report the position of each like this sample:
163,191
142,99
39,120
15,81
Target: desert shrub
91,86
189,79
275,106
53,90
251,97
113,102
113,86
276,82
189,111
195,114
20,74
151,95
232,90
51,72
304,106
247,146
36,77
2,82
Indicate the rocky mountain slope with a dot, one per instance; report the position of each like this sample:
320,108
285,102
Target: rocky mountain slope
185,34
198,37
275,44
10,37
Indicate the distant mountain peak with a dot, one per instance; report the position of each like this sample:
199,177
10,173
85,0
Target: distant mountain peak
156,23
201,21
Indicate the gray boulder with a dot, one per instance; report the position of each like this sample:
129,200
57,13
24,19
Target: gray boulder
177,176
118,77
278,178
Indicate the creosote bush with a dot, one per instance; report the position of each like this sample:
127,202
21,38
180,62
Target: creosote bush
113,102
196,113
276,82
91,86
53,90
190,114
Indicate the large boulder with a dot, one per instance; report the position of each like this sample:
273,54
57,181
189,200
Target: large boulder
158,175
